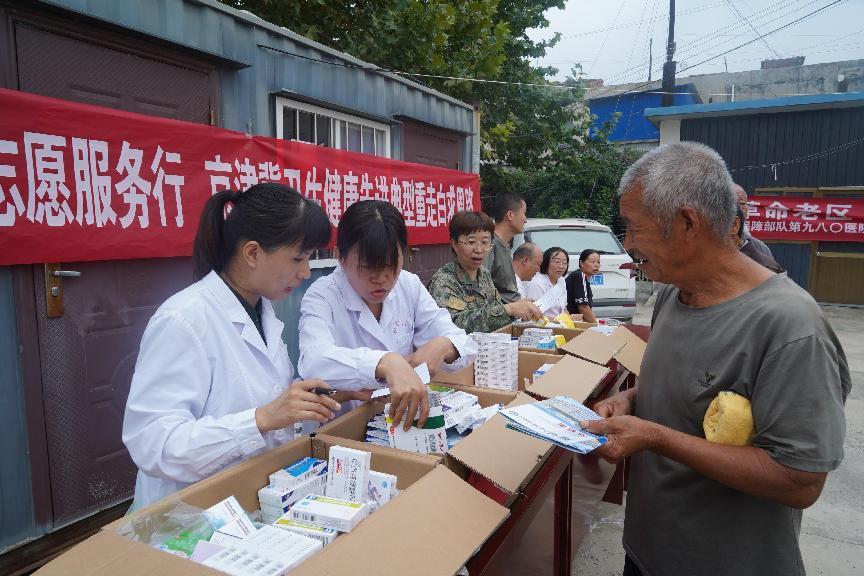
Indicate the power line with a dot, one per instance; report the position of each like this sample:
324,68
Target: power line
783,27
633,23
744,18
377,69
606,38
696,46
807,158
806,16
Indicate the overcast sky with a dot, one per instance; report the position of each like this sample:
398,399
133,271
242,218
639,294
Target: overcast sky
703,28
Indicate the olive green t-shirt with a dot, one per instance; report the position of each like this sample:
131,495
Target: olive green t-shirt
499,262
773,346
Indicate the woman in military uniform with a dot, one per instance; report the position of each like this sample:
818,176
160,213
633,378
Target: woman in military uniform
464,287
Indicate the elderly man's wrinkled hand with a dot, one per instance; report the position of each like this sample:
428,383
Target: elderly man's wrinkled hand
620,404
625,435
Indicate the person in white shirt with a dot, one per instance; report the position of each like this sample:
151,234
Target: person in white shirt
369,323
527,259
213,381
551,275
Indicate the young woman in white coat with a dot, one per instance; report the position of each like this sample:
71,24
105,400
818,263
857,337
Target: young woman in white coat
213,380
369,323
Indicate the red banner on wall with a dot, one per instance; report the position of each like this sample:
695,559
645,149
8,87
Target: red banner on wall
80,182
806,219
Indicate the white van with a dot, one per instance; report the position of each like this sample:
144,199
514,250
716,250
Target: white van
614,288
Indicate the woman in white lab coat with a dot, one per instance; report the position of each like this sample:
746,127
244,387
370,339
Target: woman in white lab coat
369,323
551,275
213,380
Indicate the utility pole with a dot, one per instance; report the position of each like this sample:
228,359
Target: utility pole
650,57
669,66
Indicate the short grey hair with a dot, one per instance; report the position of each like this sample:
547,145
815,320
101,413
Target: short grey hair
525,250
683,174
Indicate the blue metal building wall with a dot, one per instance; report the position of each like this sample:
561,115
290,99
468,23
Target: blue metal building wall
16,507
632,124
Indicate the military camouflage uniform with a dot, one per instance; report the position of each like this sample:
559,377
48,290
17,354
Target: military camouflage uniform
473,306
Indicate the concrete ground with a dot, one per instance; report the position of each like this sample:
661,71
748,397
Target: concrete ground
832,533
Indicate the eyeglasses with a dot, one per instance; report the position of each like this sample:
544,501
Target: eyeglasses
474,245
558,262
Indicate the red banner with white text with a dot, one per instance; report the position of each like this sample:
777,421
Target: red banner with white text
81,182
806,219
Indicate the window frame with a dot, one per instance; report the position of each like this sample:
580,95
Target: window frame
282,103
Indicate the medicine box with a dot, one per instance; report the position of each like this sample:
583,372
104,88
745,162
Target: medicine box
348,474
277,497
324,535
298,472
382,487
341,515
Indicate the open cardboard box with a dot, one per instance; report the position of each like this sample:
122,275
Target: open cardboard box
413,525
352,426
499,461
529,362
516,330
494,459
573,377
621,346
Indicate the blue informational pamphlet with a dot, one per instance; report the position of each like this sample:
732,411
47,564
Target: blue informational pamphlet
557,421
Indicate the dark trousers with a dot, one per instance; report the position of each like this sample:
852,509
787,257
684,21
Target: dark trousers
630,568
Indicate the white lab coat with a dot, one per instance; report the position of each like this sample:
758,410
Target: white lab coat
540,285
202,370
341,342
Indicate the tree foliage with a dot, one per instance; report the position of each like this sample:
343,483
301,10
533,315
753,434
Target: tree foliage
535,139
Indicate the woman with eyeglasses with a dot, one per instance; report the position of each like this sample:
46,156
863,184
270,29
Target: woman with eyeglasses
465,288
551,275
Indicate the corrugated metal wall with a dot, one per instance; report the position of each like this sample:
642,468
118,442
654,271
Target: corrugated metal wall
814,140
247,105
632,124
796,259
16,507
754,140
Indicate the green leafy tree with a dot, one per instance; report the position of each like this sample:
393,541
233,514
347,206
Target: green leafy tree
535,139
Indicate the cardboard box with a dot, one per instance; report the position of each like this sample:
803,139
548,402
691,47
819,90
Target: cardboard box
569,333
529,362
621,346
449,534
506,458
415,532
352,426
572,377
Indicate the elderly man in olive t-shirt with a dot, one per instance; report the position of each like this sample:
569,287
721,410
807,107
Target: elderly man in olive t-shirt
722,323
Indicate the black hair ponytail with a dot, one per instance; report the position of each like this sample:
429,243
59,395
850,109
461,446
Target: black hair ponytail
271,214
208,253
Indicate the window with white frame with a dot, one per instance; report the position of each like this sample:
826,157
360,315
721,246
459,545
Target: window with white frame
316,125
